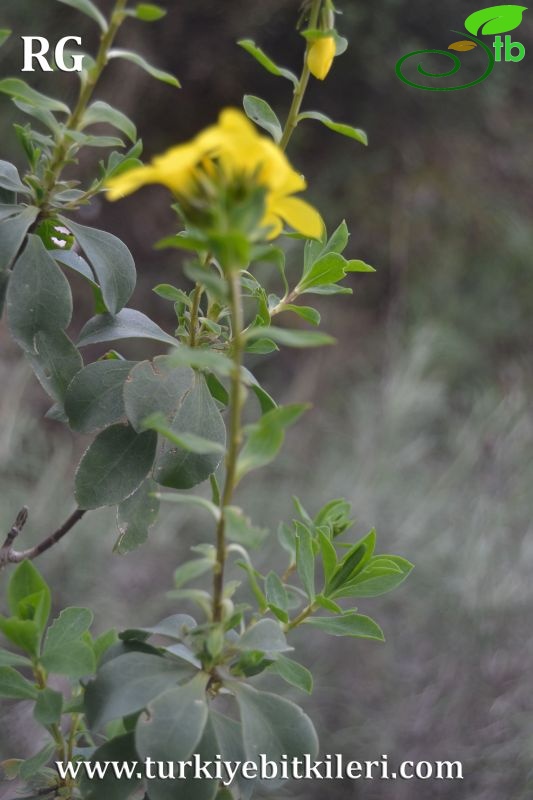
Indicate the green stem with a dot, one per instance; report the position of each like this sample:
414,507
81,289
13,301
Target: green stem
193,324
299,92
302,616
61,151
235,437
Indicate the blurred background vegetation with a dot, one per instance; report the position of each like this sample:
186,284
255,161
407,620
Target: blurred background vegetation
422,414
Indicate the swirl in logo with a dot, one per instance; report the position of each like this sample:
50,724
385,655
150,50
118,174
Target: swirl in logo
453,71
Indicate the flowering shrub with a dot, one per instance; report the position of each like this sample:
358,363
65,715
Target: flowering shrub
173,423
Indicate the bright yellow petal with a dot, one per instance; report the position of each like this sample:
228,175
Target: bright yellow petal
130,181
320,56
274,225
299,215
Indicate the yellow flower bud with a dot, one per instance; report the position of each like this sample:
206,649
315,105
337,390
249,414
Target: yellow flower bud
320,56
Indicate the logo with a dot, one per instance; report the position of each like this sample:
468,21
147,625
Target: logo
42,47
492,21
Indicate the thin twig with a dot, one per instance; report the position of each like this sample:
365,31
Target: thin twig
10,556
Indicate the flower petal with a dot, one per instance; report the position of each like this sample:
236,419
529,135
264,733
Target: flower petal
299,215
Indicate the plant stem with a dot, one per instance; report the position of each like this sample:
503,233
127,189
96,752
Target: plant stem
299,92
302,616
60,155
235,437
193,323
10,556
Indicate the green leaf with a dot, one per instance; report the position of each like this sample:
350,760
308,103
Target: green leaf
48,707
135,517
111,261
127,324
55,362
356,265
10,179
28,595
64,652
265,438
114,466
198,414
337,127
38,295
330,268
193,500
349,624
13,231
191,570
293,673
69,626
266,402
201,359
352,564
22,633
329,555
276,596
175,722
231,748
266,636
19,90
168,292
239,528
305,559
8,659
69,258
273,726
266,62
99,112
376,579
261,113
310,315
9,210
290,338
4,35
127,683
14,686
94,398
495,19
88,8
120,749
33,765
148,12
135,58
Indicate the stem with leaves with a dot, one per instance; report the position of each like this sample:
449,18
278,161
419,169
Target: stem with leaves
299,92
60,156
235,437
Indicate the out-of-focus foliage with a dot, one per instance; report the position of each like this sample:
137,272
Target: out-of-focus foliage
439,452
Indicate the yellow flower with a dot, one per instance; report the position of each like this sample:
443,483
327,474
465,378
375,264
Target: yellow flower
239,151
320,56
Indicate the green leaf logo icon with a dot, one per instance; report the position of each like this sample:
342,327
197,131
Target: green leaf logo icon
496,19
